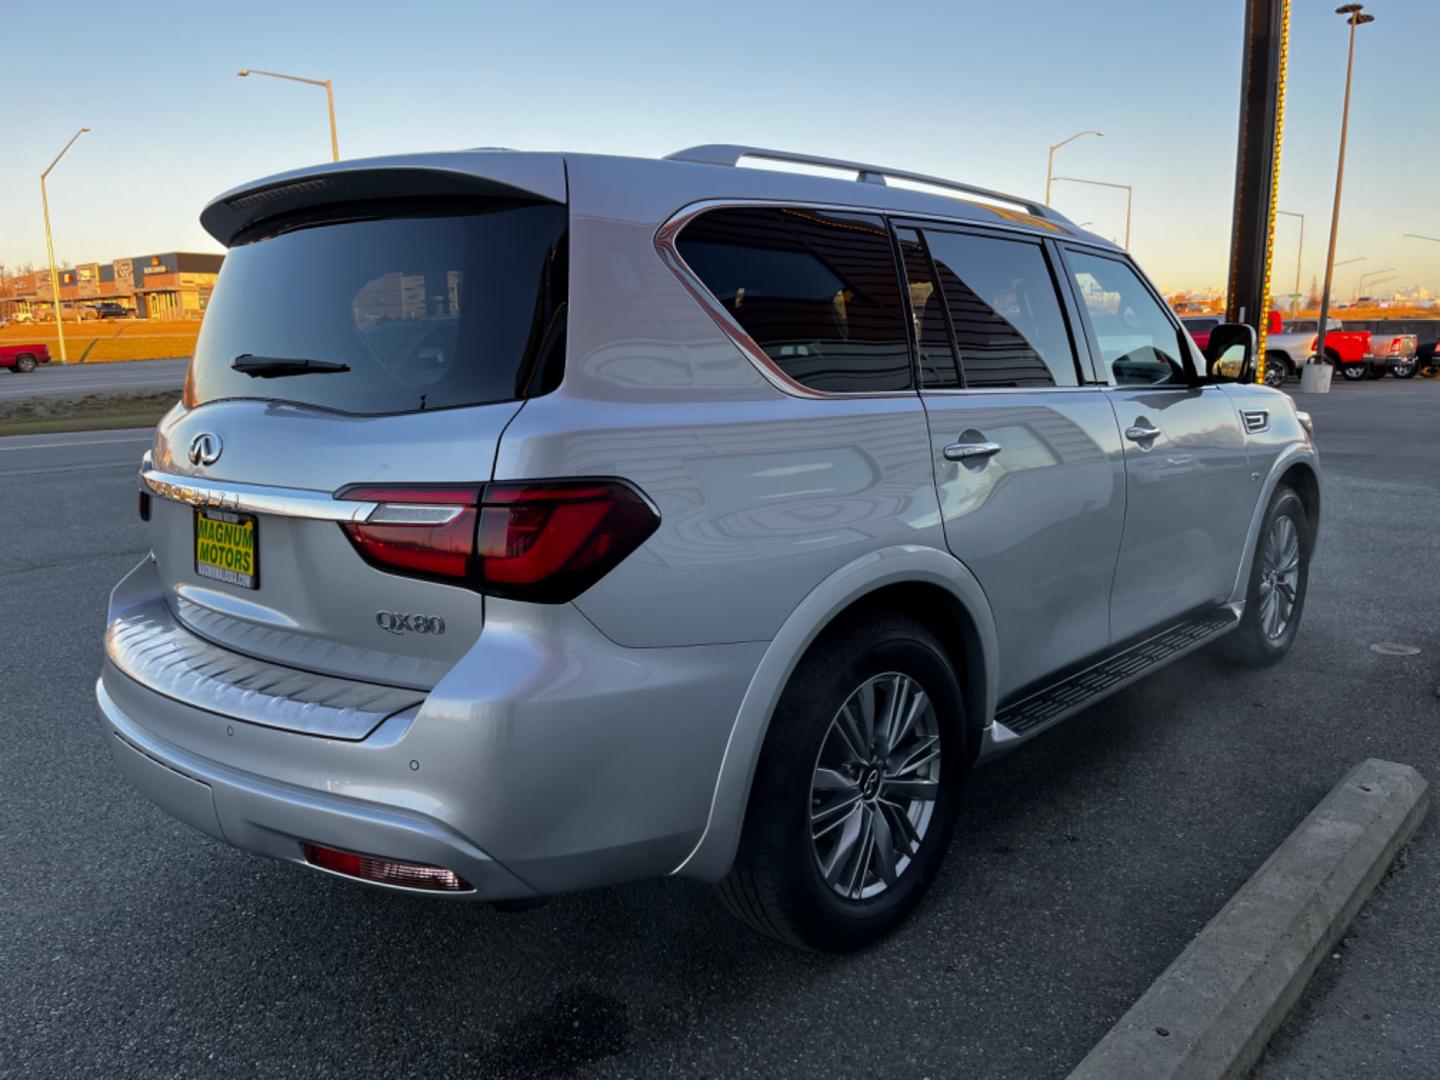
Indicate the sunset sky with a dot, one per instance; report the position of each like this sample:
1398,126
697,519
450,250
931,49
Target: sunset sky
958,89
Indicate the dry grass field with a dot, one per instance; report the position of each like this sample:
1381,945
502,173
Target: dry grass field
108,340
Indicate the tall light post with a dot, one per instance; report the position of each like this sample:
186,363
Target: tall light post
1299,258
329,98
1360,282
50,247
1353,16
1050,160
1129,198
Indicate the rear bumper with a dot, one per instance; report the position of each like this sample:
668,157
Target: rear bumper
547,759
1389,362
275,819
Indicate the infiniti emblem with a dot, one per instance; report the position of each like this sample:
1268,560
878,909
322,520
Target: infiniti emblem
205,449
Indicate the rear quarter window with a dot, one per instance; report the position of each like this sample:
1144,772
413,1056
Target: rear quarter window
818,292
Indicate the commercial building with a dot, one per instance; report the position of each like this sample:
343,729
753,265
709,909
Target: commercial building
173,285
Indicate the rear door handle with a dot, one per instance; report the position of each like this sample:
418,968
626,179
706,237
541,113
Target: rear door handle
968,451
1142,433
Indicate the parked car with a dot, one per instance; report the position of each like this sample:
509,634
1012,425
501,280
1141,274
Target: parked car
1394,345
1349,350
23,359
1199,327
718,525
110,309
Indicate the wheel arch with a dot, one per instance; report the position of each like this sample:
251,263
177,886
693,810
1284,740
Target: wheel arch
1280,356
927,584
1298,468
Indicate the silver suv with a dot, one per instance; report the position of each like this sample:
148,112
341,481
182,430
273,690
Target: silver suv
533,522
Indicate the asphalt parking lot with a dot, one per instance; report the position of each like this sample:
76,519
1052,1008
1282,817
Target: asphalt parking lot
133,946
55,379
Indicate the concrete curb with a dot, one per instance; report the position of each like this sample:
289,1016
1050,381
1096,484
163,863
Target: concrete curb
1214,1009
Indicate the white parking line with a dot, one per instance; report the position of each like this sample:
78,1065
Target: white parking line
78,442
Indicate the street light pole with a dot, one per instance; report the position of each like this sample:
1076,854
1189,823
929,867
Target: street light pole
329,99
1299,258
50,247
1354,16
1129,198
1360,281
1050,160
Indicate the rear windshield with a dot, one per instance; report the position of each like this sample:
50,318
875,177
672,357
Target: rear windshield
424,308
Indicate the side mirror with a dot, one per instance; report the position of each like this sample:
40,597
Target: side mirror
1230,354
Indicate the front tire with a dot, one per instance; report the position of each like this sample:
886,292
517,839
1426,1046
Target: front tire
1279,578
856,791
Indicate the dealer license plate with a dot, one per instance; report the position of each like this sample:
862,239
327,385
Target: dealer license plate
227,547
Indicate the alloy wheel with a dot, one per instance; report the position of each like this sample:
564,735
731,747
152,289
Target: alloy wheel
1279,577
873,791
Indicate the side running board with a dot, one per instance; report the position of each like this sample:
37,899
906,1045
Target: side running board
1100,680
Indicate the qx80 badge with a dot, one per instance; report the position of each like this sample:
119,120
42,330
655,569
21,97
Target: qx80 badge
399,622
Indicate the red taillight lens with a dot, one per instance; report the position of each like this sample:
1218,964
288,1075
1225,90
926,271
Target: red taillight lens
544,541
549,541
385,871
426,532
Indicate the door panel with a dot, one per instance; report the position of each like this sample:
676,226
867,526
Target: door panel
1037,522
1188,490
1189,499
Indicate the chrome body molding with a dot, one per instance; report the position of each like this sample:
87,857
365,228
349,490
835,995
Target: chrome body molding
253,498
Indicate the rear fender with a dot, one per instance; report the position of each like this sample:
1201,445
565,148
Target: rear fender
713,854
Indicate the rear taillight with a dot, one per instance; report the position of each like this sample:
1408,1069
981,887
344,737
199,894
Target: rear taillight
544,541
385,871
426,532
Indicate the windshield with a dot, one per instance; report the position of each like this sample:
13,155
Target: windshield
394,313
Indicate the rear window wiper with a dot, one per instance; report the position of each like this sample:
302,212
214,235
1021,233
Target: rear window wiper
270,367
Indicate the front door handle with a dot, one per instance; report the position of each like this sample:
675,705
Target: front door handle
1142,433
968,451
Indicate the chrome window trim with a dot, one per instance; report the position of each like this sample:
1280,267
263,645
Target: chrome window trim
951,391
670,229
253,498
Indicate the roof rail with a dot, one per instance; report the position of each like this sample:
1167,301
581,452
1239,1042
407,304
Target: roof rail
727,154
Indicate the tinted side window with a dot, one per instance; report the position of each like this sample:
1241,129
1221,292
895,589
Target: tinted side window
817,291
927,308
1002,304
1138,342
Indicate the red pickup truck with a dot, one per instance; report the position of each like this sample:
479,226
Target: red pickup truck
24,358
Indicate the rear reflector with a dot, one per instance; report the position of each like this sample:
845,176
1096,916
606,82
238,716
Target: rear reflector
543,541
384,871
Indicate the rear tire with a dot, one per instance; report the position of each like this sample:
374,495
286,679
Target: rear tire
794,878
1276,372
1279,578
1355,372
1406,369
25,364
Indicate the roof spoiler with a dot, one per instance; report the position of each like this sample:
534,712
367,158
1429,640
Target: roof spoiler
487,172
